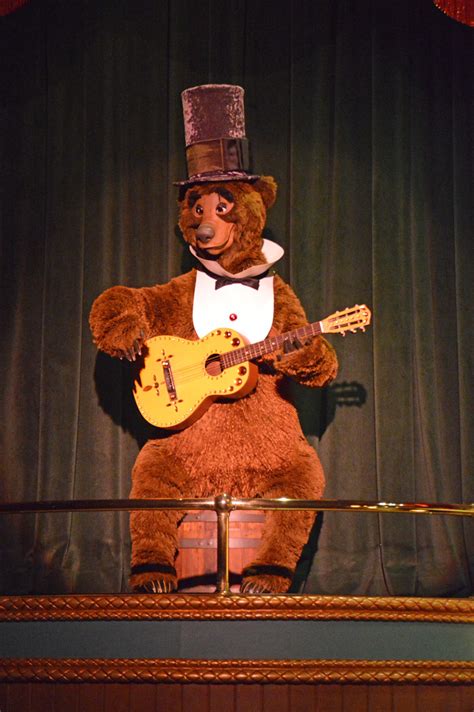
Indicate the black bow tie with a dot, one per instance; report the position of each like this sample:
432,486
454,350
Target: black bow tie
253,282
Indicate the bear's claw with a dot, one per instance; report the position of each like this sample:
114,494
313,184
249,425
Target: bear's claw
162,585
264,583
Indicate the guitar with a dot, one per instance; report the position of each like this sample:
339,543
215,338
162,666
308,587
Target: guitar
178,379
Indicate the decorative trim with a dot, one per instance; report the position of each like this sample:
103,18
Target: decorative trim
234,607
228,671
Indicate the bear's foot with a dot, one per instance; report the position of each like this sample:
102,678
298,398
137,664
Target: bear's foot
266,579
153,578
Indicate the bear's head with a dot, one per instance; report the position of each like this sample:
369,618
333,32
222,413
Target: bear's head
224,221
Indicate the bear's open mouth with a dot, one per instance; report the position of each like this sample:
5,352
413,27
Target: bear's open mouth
216,249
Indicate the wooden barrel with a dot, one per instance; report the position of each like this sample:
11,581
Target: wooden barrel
196,564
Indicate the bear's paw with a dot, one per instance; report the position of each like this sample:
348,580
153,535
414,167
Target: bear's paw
261,578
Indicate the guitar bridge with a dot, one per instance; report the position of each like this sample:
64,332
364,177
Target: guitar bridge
169,380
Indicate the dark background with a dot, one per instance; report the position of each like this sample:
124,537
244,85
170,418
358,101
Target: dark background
363,112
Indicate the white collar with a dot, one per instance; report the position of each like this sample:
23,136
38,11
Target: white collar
271,251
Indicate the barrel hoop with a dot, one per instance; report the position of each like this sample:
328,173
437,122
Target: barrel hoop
153,568
212,543
266,570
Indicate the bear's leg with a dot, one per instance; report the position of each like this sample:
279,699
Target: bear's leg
157,473
285,533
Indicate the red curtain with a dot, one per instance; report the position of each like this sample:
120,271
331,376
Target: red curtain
460,10
7,6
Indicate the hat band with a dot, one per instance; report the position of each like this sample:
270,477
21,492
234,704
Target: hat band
222,154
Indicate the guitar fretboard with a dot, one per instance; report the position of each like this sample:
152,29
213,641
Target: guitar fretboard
267,346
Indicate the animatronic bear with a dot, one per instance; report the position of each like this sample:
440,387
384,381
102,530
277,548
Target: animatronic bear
248,446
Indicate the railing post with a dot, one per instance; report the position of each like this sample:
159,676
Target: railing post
223,504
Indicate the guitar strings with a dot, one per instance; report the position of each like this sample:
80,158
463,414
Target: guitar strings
195,369
188,373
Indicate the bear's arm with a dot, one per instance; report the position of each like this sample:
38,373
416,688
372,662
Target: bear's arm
312,365
122,314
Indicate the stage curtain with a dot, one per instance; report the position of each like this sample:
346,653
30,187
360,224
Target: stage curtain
363,112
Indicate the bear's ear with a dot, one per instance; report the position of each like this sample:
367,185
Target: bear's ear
267,187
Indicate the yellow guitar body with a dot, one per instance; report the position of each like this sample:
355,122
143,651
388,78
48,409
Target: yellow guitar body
179,378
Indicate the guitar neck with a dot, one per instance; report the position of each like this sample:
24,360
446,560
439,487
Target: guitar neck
267,346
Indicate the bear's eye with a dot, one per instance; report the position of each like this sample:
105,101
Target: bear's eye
222,208
198,209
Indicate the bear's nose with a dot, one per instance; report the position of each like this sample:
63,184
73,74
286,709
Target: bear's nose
205,233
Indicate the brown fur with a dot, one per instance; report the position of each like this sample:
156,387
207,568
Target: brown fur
249,447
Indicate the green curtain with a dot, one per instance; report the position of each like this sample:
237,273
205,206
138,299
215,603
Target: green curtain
363,111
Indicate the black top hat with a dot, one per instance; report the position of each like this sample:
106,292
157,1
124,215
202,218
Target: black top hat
214,126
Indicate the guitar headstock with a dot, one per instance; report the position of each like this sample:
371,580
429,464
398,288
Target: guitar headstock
350,319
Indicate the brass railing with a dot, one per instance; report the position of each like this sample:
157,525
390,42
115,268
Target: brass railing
223,505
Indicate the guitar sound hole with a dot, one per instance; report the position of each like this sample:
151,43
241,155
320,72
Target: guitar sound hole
213,365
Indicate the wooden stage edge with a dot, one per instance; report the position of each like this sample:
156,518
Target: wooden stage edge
234,607
236,671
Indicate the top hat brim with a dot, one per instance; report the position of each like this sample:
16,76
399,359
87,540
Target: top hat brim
217,177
